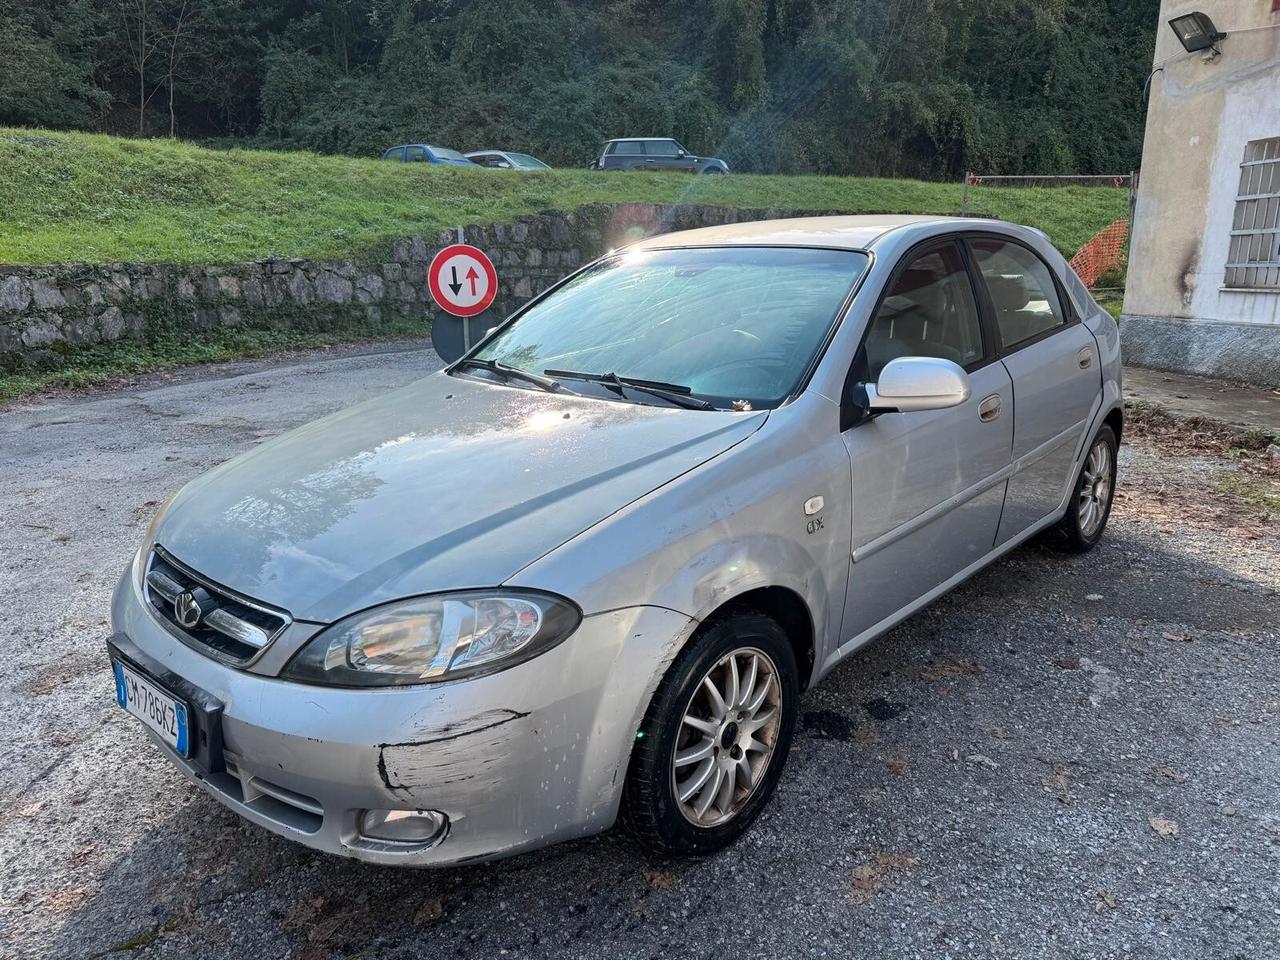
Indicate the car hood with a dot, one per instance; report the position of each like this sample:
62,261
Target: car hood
445,484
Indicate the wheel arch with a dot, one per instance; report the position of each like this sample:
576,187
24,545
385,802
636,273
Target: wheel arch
1115,420
790,611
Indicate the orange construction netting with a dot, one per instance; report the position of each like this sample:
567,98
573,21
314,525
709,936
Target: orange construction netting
1104,251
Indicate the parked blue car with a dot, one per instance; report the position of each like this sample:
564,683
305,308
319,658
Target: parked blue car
425,153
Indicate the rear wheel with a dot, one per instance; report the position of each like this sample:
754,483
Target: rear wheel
1090,506
713,742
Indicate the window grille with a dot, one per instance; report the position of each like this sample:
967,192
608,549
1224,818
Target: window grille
1253,260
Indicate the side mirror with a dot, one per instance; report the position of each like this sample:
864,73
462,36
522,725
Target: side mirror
681,153
909,384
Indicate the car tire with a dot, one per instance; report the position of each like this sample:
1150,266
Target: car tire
1092,495
680,735
713,170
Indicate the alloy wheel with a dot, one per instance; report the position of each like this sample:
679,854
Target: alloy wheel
727,737
1095,488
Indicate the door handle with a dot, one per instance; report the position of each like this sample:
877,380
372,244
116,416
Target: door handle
1085,356
989,409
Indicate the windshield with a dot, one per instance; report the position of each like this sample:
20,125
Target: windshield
732,324
443,153
524,160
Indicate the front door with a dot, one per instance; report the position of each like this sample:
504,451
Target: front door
667,155
1057,378
927,486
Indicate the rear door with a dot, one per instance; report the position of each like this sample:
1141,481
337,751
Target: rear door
625,155
928,486
1053,362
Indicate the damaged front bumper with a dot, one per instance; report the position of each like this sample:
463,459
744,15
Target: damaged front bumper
514,760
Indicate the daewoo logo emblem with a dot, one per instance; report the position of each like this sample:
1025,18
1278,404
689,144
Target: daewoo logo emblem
187,609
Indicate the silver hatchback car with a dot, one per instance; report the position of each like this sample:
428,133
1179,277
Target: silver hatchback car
590,568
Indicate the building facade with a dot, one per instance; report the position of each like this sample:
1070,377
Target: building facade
1203,291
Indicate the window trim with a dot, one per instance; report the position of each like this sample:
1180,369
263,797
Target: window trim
856,374
1233,267
921,249
1070,317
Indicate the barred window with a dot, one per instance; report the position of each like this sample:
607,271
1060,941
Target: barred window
1253,261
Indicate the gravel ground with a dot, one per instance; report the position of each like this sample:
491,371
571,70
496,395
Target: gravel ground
1068,756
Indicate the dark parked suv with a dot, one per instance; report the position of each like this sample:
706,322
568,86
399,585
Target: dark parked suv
654,153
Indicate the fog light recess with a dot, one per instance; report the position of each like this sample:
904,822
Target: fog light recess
409,827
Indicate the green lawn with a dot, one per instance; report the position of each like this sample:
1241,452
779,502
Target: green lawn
91,198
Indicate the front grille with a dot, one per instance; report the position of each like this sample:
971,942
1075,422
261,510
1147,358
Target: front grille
207,616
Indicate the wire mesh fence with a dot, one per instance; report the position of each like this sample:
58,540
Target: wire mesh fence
1098,209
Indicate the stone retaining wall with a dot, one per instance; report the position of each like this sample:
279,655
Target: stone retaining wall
46,309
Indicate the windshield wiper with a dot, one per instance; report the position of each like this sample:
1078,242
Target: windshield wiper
508,372
676,393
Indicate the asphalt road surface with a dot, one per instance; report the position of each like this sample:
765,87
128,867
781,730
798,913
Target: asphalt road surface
1069,756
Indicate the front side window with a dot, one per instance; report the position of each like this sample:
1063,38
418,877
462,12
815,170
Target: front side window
730,323
628,147
415,154
928,312
1253,257
1022,290
444,153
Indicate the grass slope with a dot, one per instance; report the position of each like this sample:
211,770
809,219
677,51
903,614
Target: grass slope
91,198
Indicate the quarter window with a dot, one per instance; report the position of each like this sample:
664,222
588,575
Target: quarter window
928,312
1022,290
1253,258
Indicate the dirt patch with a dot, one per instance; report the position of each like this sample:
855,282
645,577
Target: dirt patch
65,670
1201,473
872,877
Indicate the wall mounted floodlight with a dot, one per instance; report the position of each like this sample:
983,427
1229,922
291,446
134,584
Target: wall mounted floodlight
1196,31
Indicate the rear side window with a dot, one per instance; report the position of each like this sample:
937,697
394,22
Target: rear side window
1022,290
928,312
415,154
628,146
392,154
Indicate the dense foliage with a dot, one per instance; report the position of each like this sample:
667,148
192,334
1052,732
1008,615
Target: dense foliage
921,88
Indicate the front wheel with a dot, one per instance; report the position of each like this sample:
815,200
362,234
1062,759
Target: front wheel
714,740
1090,506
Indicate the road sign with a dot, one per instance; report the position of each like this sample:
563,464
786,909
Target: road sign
462,280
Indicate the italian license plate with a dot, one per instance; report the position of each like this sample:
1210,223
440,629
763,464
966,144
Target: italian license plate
159,710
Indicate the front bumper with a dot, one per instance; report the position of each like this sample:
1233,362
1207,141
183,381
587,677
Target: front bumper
516,760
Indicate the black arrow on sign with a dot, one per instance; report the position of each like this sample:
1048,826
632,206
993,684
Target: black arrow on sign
456,286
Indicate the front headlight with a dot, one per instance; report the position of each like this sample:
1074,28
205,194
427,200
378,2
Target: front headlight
435,638
149,541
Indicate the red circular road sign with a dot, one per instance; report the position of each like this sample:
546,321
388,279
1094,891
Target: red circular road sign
462,280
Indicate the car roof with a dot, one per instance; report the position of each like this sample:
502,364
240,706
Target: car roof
846,233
